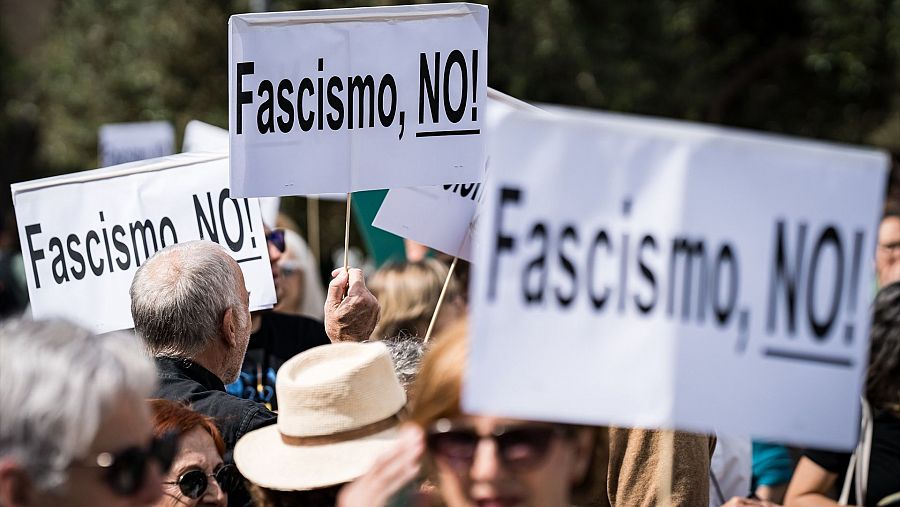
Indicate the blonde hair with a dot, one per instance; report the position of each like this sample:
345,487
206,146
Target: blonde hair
408,295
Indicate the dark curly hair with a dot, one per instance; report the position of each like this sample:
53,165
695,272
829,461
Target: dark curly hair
883,375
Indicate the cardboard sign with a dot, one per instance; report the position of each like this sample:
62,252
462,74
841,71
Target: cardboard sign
661,274
356,99
120,143
84,235
442,217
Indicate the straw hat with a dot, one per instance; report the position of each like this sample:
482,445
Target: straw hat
338,411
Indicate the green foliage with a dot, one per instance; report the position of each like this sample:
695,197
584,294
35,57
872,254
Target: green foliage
118,61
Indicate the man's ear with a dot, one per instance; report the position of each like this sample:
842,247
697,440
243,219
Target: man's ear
229,327
15,487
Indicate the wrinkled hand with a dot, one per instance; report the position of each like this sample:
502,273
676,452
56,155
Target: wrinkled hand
351,317
390,472
748,502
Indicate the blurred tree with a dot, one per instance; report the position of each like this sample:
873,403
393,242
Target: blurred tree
119,60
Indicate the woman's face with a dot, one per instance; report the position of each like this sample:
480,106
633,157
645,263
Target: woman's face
197,451
291,296
489,462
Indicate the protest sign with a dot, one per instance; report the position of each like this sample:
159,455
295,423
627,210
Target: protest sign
127,142
442,217
661,274
84,235
356,99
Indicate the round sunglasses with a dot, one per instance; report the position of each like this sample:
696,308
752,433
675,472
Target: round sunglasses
125,471
520,446
194,483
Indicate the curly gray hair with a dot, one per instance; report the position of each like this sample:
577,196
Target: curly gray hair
406,353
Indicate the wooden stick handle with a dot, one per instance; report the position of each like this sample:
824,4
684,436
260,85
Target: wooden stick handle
347,235
440,301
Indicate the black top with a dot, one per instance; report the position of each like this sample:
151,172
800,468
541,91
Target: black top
185,381
884,462
279,338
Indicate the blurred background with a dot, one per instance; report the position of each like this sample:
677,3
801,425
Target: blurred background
824,69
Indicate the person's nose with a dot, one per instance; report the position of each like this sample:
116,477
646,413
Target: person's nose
214,494
485,465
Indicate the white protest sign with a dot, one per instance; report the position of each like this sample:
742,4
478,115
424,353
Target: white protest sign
84,235
356,99
661,274
442,217
120,143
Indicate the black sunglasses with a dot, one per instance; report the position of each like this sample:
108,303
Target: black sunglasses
125,471
520,446
276,237
193,483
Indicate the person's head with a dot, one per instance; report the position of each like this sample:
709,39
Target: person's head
198,475
883,374
74,428
887,252
340,407
408,295
189,301
301,285
479,459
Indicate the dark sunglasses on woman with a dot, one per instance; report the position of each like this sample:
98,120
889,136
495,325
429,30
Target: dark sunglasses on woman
520,446
125,471
193,483
276,237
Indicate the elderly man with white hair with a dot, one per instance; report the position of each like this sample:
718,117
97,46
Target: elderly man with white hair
191,307
74,427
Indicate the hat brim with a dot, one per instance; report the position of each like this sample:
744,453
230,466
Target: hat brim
265,460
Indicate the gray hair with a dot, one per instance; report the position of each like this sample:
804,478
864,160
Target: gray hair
56,382
406,353
179,296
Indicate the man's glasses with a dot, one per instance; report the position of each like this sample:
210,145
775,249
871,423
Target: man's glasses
520,446
276,237
193,483
125,471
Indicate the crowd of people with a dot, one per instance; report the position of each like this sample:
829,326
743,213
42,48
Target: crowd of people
334,398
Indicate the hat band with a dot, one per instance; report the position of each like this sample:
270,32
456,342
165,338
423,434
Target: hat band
344,436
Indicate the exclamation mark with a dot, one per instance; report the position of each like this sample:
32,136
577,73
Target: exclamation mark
250,222
474,84
853,293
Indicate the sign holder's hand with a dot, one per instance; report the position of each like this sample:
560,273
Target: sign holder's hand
351,311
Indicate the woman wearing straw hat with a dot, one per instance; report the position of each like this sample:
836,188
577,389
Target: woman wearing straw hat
341,408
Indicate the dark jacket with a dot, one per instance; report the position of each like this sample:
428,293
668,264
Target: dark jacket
186,381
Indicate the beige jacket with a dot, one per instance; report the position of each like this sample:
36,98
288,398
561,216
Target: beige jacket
634,468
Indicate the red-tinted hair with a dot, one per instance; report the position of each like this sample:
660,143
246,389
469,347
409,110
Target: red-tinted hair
173,416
